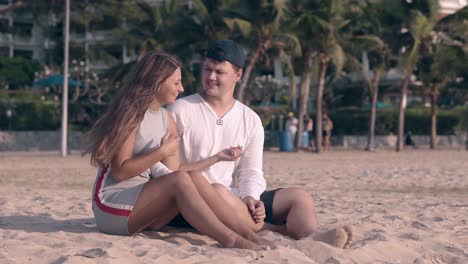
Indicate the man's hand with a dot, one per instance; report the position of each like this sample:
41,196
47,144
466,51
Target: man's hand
256,209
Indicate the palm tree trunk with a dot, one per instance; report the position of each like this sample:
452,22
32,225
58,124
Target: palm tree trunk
76,95
292,82
318,117
466,138
433,116
86,50
401,114
373,113
262,46
305,88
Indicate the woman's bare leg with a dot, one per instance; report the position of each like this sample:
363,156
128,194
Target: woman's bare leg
224,211
237,206
160,197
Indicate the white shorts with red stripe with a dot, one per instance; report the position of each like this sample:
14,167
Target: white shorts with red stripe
113,202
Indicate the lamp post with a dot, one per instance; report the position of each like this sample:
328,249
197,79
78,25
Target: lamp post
65,81
9,114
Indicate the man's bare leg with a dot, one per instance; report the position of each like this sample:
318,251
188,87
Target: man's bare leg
297,207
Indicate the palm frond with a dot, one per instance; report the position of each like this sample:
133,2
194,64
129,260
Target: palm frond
338,58
245,27
369,42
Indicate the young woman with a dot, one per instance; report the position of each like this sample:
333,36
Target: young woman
140,182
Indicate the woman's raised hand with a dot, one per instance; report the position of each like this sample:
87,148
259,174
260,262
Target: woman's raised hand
230,154
170,144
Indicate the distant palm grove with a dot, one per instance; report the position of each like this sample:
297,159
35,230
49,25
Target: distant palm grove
364,61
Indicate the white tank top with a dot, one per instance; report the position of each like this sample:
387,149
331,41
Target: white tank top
152,129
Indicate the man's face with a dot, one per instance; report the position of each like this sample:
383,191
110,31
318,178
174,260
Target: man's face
219,78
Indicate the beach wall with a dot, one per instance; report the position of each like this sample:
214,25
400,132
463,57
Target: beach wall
51,140
38,140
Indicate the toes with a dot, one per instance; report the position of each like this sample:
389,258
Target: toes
350,232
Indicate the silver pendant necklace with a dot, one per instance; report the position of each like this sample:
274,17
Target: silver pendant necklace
219,121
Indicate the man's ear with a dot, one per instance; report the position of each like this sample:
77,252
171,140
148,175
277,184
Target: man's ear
239,74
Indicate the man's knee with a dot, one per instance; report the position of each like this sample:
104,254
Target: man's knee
294,195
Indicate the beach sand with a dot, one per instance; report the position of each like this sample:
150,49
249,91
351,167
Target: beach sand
408,207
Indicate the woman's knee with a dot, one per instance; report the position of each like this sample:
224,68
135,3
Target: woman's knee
219,188
181,179
228,196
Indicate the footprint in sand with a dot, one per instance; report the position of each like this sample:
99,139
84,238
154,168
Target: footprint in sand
456,251
411,236
419,225
376,237
93,253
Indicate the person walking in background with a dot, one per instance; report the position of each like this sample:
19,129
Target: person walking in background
291,126
309,127
327,126
409,139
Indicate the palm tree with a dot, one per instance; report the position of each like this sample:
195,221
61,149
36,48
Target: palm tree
259,23
373,35
203,22
443,60
420,17
318,25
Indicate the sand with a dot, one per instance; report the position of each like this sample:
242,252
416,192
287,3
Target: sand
409,207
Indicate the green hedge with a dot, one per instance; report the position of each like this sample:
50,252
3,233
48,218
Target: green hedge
354,121
17,72
30,116
39,115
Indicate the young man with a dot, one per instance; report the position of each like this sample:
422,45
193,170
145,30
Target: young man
213,119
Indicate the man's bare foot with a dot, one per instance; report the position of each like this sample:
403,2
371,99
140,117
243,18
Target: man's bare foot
240,242
340,237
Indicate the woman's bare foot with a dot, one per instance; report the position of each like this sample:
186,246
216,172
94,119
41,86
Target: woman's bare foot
340,237
260,240
240,242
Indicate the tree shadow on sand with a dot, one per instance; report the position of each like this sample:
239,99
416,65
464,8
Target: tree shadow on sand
45,224
174,235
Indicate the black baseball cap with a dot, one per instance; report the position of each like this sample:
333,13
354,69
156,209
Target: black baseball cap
226,50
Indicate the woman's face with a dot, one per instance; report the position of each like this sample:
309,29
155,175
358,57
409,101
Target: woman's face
169,90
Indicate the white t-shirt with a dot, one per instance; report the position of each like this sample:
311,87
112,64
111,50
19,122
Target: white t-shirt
202,136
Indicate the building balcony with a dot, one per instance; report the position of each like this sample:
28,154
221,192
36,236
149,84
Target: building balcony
95,37
4,38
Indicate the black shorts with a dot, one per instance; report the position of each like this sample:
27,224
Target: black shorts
266,197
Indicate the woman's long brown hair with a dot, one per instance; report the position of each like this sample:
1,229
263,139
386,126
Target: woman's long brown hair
127,109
